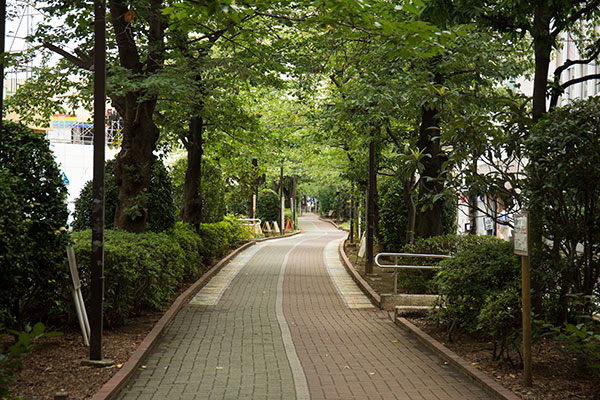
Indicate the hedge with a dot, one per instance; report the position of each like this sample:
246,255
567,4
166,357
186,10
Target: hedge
145,271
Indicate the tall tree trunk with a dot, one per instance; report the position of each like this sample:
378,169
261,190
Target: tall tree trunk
370,212
430,219
407,185
134,164
140,133
192,193
542,49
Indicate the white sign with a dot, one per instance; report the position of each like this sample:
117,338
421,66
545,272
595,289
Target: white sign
520,234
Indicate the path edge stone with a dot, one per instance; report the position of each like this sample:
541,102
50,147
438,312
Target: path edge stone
490,386
115,384
364,285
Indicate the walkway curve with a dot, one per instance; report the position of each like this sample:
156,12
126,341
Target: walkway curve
286,324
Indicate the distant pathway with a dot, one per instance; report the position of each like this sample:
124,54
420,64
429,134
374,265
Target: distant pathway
284,321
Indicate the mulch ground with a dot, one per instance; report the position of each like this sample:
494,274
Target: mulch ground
54,365
555,373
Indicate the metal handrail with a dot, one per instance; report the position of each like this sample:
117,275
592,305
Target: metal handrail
414,255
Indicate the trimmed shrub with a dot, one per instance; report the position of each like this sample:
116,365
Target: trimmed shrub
422,281
146,270
268,205
161,211
479,292
32,229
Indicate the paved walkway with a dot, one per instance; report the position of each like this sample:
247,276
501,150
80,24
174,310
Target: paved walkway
284,321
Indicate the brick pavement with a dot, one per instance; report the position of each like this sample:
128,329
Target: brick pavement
280,330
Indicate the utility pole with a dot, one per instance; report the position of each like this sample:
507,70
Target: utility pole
371,207
97,257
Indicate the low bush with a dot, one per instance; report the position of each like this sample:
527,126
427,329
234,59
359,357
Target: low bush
422,281
583,341
146,270
479,292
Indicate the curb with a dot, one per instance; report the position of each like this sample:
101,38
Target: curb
114,385
277,237
364,285
332,223
490,386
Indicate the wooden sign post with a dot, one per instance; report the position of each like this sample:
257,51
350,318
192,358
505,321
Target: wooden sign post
521,238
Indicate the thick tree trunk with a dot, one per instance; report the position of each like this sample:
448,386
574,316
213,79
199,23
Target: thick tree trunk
430,219
370,212
134,165
134,162
542,48
192,194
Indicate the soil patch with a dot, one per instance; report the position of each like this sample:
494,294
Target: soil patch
54,364
555,373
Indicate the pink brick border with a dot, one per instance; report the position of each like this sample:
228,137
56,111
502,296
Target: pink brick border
111,389
490,386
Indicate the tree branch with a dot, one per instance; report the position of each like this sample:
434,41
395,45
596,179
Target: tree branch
85,63
575,16
557,92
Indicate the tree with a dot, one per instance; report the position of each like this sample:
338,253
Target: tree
136,55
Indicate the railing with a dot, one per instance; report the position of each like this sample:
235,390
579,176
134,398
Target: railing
411,255
251,222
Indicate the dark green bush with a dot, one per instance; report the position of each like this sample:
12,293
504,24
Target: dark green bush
161,211
146,270
212,189
479,291
268,205
33,238
421,281
393,215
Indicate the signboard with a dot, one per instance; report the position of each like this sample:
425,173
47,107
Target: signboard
520,234
489,224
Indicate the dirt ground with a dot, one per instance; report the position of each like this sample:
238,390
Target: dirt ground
555,374
54,365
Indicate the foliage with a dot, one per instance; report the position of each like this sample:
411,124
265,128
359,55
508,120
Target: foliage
33,238
422,281
268,205
393,216
146,270
213,189
160,205
481,279
564,194
583,341
10,357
